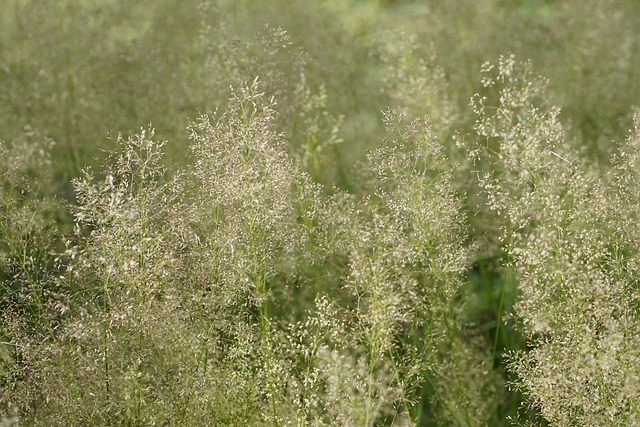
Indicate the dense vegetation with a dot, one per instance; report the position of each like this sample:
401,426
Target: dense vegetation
292,213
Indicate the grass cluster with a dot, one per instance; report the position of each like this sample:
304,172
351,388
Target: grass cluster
329,221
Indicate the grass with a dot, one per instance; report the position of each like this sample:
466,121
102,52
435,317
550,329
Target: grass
240,213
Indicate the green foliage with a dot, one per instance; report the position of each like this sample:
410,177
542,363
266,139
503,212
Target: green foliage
568,233
332,234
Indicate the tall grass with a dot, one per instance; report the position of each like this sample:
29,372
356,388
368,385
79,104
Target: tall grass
321,229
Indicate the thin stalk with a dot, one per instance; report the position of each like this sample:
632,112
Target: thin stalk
261,288
372,351
264,326
105,333
498,325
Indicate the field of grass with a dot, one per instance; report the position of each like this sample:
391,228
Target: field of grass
338,213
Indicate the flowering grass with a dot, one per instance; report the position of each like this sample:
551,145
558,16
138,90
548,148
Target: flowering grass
317,236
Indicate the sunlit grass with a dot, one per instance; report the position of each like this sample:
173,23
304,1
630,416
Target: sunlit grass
287,213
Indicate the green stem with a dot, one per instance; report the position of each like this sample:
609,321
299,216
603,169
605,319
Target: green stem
264,326
105,332
498,324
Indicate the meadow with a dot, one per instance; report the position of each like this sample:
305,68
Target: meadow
338,213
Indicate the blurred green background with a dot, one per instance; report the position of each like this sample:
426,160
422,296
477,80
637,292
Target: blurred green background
79,71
